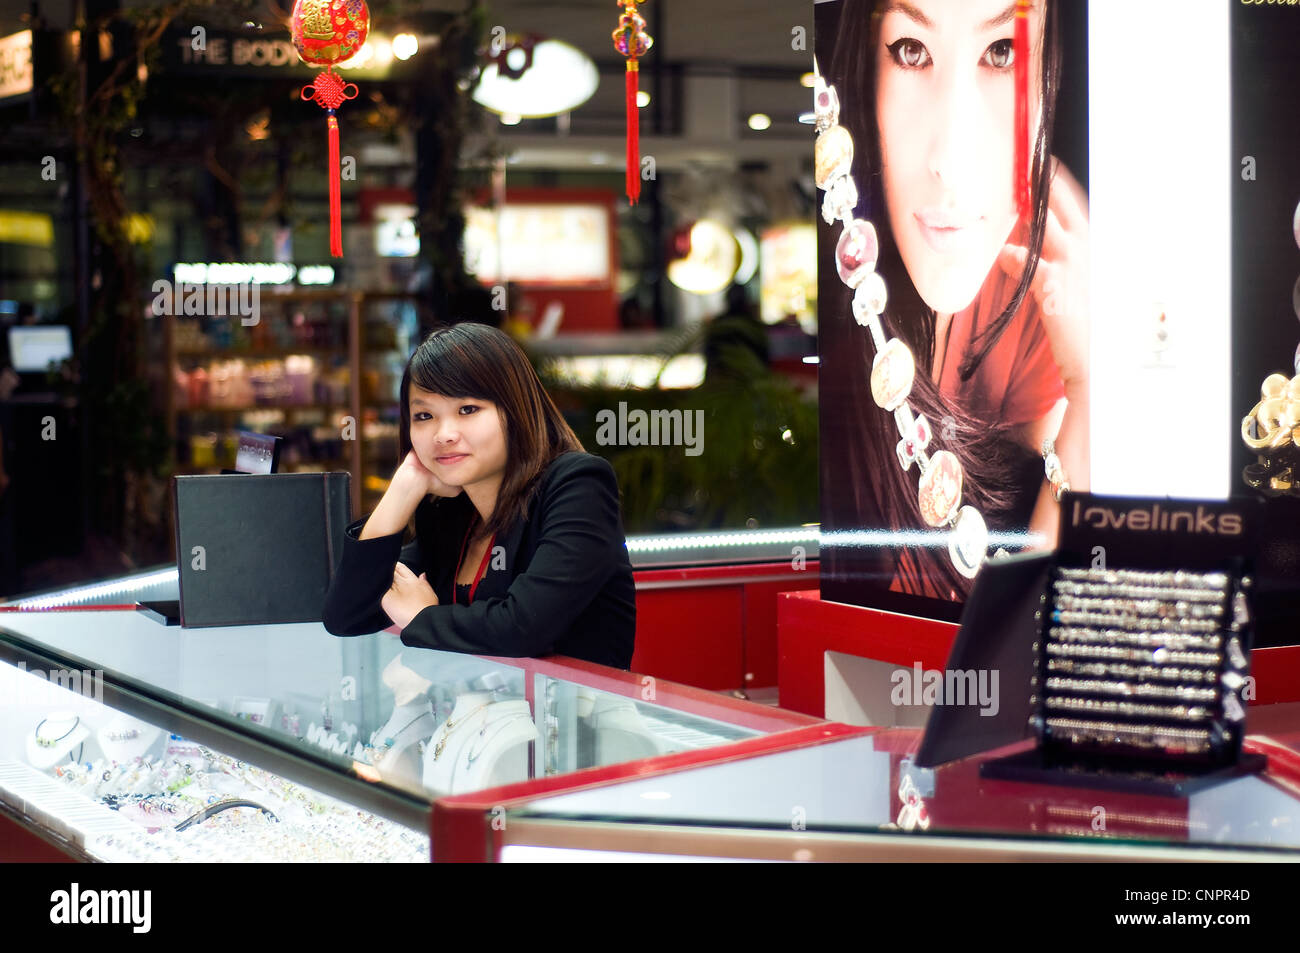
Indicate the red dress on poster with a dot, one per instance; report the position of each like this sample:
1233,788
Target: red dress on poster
1018,381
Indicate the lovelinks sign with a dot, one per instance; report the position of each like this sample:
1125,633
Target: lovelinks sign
1148,533
1171,519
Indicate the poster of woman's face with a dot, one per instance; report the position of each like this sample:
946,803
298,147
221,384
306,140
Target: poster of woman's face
953,289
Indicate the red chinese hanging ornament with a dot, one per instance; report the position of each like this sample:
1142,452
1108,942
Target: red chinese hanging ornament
632,41
326,32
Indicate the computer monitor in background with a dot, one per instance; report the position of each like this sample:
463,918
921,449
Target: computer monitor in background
33,348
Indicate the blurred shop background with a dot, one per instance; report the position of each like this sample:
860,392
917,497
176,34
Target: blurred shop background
151,149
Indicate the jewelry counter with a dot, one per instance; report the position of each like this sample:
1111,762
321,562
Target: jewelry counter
125,739
839,793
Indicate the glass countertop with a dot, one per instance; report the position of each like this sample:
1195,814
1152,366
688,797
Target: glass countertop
868,785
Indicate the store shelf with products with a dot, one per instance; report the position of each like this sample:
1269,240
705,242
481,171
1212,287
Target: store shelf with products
116,729
319,369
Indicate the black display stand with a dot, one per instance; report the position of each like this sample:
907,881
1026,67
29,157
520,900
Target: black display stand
256,549
1039,767
997,631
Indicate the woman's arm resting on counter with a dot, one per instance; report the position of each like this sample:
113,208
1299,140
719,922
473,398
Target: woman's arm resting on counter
352,605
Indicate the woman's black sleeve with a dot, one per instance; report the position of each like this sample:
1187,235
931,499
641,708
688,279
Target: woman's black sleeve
579,542
365,573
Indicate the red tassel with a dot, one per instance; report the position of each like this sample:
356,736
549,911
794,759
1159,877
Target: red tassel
329,91
1021,180
631,40
336,201
633,134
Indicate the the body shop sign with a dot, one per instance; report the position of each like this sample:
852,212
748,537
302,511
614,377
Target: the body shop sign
16,64
202,50
236,51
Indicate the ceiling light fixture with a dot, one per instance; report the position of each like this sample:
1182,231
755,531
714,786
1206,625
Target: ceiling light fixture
708,256
405,45
532,76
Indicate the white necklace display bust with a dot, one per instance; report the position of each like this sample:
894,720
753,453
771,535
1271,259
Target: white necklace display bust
621,734
54,738
394,748
483,744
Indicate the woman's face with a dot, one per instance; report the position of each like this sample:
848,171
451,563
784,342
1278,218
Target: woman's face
461,439
946,109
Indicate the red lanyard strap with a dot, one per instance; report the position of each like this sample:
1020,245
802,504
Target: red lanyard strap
482,566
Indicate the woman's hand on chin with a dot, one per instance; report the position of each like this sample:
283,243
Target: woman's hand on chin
408,596
1060,284
413,472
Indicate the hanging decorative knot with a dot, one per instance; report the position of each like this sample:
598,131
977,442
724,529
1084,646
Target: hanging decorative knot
632,41
329,91
327,32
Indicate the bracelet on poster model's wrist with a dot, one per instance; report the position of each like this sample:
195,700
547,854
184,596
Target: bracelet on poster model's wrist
1055,472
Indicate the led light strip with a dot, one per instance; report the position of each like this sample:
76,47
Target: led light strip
87,594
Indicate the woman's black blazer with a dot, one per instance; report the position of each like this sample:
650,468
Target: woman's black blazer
560,581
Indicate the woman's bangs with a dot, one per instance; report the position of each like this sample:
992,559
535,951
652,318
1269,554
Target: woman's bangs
444,370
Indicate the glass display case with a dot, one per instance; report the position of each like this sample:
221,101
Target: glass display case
857,796
126,739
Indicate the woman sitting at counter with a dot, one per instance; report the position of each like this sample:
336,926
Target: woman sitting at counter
519,547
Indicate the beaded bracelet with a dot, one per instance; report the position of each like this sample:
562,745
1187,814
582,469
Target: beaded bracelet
1055,472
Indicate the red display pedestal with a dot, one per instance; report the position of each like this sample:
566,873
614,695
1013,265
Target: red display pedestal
713,626
20,844
809,627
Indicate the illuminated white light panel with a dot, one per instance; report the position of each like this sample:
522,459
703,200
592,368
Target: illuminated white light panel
1159,170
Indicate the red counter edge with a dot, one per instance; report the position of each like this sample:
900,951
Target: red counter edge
461,826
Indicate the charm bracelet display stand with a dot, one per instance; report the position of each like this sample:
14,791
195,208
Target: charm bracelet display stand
1134,668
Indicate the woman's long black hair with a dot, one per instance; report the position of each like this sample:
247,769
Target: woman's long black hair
865,473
